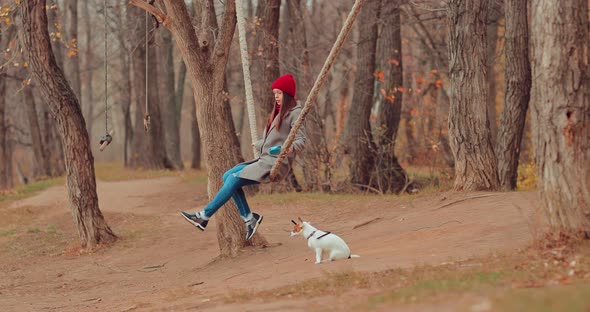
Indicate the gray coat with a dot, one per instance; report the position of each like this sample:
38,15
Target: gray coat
259,168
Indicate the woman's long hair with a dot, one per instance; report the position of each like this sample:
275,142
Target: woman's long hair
288,103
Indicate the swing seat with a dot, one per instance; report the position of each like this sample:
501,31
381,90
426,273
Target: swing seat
105,140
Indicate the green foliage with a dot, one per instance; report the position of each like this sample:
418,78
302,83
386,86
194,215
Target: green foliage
7,232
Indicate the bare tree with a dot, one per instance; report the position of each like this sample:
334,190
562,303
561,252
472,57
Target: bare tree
205,55
315,155
390,175
194,126
5,154
470,137
5,157
517,95
561,110
72,61
81,181
358,137
148,149
124,94
266,57
169,105
41,164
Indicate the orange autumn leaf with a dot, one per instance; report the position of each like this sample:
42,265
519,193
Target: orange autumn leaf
438,83
389,98
380,75
401,89
393,61
419,80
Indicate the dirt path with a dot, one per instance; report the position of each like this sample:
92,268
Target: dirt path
162,263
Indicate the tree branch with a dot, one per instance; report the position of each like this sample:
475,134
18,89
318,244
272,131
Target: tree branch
157,13
426,37
226,32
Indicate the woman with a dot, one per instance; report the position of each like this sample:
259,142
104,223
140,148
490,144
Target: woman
285,113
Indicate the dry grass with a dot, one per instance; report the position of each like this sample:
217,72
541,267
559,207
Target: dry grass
553,277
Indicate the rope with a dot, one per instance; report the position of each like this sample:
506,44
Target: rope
146,119
318,83
106,104
247,80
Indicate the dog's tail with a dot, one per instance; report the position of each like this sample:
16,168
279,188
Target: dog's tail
353,256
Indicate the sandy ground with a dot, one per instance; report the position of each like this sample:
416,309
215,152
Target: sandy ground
162,263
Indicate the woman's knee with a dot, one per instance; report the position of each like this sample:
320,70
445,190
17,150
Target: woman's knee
226,175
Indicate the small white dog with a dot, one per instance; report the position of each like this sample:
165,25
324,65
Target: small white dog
321,242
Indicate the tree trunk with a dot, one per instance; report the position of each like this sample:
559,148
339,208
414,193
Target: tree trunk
52,144
390,175
125,98
206,60
470,137
41,166
125,102
196,136
5,155
442,114
518,91
179,92
72,63
266,60
358,138
169,105
561,110
81,182
5,175
494,14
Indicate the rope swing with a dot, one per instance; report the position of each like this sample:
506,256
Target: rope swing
146,118
107,138
246,70
318,83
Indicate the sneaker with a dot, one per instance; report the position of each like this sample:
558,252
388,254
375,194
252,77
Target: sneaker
194,219
252,225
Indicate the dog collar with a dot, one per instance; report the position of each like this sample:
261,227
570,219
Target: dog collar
310,235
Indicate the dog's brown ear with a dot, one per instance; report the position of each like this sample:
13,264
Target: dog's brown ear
294,222
300,219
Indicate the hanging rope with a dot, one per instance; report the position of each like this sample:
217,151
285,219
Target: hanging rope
356,8
106,82
107,137
146,118
247,80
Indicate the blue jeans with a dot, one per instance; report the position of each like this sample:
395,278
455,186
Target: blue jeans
232,187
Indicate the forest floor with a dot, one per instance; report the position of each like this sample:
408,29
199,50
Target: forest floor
442,251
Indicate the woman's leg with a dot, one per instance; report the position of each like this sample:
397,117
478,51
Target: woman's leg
240,199
231,184
238,196
235,169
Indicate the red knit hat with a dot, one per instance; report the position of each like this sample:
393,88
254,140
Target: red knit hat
286,83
